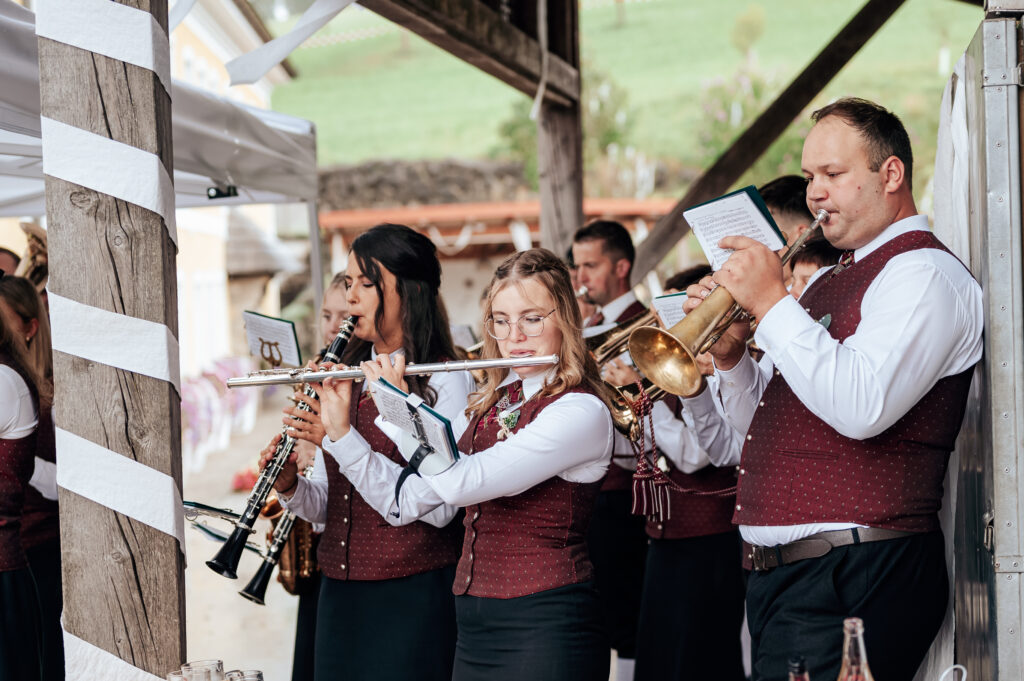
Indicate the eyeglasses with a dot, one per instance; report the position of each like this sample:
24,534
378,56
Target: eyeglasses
531,325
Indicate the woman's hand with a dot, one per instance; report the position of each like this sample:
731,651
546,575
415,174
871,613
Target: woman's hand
731,347
305,455
305,425
393,373
335,398
288,478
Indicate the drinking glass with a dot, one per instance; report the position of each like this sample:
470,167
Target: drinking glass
214,667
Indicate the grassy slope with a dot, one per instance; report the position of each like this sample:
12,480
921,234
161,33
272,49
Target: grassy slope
371,99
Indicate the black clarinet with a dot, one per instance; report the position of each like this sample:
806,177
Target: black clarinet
226,560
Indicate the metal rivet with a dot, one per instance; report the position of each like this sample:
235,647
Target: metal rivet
1006,470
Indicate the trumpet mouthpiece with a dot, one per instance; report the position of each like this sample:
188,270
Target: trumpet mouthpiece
821,217
581,291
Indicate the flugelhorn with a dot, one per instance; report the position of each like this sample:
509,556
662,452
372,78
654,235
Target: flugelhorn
668,358
226,560
278,377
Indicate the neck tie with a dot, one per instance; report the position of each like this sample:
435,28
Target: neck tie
846,259
596,319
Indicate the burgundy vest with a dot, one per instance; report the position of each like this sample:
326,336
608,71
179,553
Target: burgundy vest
618,478
16,460
357,542
40,519
797,469
527,543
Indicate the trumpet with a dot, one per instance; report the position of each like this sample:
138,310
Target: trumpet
226,560
278,377
668,358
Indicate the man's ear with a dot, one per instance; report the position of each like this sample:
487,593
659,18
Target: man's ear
621,269
893,173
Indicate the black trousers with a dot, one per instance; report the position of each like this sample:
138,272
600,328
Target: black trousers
19,627
305,630
388,630
692,610
898,587
44,560
617,542
554,635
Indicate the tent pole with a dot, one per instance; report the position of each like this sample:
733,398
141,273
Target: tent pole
316,263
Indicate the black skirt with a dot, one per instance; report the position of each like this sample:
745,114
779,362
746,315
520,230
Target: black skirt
386,630
44,560
554,635
19,627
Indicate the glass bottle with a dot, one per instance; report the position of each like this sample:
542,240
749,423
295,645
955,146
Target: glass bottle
855,657
798,669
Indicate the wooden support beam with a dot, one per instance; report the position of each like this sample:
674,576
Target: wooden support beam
756,139
560,141
123,580
475,33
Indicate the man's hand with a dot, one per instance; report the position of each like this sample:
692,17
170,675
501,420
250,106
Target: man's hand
731,347
752,274
618,373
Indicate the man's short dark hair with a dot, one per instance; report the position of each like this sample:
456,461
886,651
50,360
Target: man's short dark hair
7,251
691,275
882,130
787,195
817,251
615,239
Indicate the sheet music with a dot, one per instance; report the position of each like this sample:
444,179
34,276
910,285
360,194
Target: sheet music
272,339
734,214
670,308
394,408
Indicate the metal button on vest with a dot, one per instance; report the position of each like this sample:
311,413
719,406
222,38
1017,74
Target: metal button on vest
750,437
343,567
346,497
476,515
344,520
762,404
660,526
342,543
467,579
743,471
738,507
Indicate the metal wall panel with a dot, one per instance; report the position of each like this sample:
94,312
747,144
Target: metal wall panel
989,563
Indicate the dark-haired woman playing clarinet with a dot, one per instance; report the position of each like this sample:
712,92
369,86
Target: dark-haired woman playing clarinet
386,610
536,442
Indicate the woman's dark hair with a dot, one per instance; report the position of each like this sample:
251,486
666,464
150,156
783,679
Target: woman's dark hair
412,258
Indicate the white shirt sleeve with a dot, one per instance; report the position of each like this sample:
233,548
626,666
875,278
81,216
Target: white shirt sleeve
921,320
676,439
17,408
44,478
374,475
571,438
713,432
741,388
309,501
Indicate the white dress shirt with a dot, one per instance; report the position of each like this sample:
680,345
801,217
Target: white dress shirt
17,408
921,321
571,438
309,500
612,310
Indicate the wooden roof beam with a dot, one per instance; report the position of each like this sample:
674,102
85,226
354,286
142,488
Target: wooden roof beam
756,139
477,34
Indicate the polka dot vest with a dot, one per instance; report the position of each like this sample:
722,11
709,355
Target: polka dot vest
617,477
16,463
357,542
530,542
797,469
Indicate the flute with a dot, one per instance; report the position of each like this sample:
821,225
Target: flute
279,377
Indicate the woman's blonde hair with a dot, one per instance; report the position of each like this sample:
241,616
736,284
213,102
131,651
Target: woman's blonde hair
576,366
20,297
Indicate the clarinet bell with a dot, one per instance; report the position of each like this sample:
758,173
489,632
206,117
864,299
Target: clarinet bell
256,589
226,561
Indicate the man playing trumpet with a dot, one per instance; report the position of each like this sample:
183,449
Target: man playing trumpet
852,415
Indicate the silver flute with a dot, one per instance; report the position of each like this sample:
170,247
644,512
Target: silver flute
279,377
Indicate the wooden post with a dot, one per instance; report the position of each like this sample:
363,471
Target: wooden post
756,139
560,140
123,580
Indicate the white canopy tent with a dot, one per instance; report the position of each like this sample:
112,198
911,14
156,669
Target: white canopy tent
269,157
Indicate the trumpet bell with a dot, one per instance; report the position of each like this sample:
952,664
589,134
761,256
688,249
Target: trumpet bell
667,362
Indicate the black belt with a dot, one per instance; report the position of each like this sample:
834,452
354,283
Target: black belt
816,546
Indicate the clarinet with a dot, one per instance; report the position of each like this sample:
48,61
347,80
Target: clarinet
226,561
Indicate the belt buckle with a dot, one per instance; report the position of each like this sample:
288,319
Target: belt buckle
757,554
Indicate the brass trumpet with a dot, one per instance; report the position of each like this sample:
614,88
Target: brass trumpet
668,358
